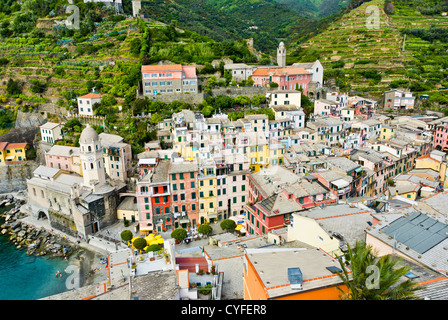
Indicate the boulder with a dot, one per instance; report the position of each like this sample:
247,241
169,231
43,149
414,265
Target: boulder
15,224
21,233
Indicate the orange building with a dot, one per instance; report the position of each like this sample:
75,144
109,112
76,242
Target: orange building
291,274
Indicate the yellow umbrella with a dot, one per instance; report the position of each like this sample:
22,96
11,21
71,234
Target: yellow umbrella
149,239
153,242
159,241
157,237
238,227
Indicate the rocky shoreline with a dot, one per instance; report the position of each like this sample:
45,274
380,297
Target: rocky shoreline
36,241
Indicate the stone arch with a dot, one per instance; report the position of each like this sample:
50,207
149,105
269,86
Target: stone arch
42,215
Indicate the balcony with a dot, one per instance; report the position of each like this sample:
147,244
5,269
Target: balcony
344,190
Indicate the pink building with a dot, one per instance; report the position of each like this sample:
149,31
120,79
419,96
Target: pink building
287,78
65,158
440,137
168,79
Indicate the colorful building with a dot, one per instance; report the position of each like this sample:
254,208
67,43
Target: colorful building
291,274
64,157
207,180
87,102
169,79
51,132
287,78
184,193
12,152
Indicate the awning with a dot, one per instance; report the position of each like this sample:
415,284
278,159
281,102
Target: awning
340,183
10,157
212,216
146,161
184,220
359,169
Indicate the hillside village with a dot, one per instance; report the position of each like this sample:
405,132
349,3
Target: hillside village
253,191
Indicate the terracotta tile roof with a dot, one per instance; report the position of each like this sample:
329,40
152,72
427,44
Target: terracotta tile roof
278,71
426,157
90,96
16,145
163,67
3,145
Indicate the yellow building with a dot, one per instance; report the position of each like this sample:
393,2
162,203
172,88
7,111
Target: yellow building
207,182
276,152
258,151
128,210
10,152
435,161
387,132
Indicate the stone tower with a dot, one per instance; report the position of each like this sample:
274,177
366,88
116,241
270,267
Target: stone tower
91,157
281,55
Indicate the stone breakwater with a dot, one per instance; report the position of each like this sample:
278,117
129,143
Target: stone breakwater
36,241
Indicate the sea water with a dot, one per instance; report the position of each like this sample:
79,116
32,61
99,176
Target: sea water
25,277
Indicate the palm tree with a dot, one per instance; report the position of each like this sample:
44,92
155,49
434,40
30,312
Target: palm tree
372,278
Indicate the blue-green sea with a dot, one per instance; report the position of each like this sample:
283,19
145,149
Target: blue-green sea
25,277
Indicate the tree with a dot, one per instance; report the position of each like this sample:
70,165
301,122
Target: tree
363,263
136,45
250,82
153,248
207,111
258,99
179,234
155,119
139,243
126,235
205,229
242,100
37,86
228,225
13,88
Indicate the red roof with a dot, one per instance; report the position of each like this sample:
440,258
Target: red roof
427,156
279,71
162,67
16,145
3,145
90,96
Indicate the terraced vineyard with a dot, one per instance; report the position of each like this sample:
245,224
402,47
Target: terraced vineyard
370,59
37,59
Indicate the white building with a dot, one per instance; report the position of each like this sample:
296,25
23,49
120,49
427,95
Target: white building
86,104
240,71
285,97
51,132
371,128
324,107
291,112
117,156
340,98
315,68
398,99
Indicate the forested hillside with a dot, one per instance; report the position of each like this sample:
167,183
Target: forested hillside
408,48
45,63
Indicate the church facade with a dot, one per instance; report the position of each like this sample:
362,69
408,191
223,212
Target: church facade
77,205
